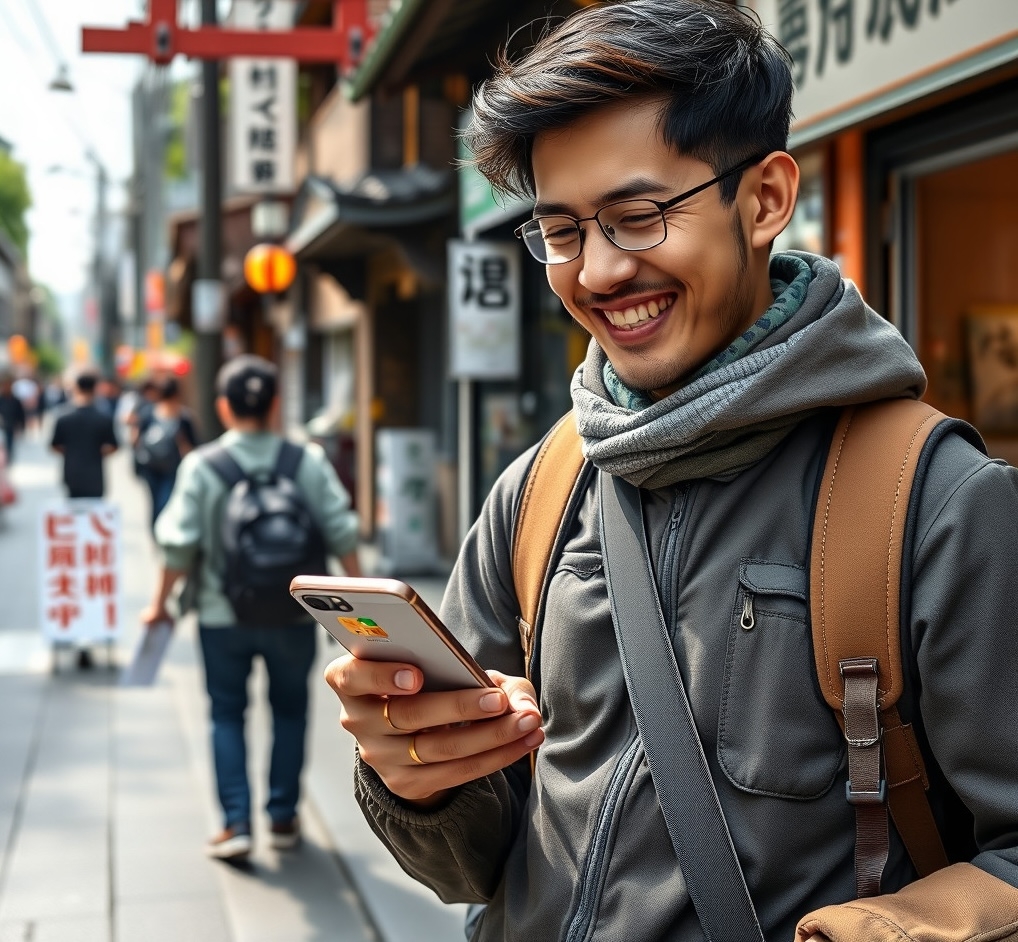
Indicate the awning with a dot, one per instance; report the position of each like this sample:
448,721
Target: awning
381,208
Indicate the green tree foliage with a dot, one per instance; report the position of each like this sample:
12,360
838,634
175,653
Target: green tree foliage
14,202
176,145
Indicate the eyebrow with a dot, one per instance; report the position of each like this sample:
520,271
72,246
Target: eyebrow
640,186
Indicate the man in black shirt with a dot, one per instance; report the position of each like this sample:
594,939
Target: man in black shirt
84,436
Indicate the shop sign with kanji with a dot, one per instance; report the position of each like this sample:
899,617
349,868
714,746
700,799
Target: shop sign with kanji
484,309
263,103
80,569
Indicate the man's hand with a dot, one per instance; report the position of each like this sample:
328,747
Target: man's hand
155,613
457,736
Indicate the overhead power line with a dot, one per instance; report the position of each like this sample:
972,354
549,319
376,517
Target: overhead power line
44,30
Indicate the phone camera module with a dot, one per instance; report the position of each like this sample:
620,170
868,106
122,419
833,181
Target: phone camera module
323,605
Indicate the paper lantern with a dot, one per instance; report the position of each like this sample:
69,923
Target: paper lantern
269,269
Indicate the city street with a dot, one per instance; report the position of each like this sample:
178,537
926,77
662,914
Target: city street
106,795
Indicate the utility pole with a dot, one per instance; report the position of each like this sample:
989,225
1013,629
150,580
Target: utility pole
207,300
105,304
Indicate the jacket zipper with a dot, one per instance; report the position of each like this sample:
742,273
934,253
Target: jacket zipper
667,579
586,909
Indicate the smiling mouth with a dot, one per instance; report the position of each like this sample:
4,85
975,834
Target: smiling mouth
636,316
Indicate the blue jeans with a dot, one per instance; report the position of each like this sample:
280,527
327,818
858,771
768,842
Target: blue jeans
288,652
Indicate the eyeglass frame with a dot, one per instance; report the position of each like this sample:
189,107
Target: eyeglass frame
662,207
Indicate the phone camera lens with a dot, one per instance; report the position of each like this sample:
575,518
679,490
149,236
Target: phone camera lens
323,605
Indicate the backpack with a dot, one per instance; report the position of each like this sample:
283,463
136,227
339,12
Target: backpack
859,535
156,448
268,536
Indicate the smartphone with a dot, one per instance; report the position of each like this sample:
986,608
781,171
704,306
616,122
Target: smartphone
386,620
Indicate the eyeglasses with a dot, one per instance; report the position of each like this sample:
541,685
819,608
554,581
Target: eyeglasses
632,225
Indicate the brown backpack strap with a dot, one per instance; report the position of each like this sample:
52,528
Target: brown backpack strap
855,581
546,494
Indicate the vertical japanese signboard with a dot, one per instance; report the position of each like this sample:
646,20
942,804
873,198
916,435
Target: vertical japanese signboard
484,310
79,563
263,101
847,53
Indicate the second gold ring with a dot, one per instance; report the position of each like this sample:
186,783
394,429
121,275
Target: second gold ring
412,748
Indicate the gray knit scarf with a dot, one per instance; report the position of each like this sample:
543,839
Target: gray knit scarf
833,351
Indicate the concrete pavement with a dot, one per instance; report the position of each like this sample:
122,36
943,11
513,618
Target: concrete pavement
106,793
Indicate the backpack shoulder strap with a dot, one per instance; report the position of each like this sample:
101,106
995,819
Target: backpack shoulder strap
546,492
288,460
855,584
223,464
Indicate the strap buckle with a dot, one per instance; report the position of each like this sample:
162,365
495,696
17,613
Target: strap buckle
861,797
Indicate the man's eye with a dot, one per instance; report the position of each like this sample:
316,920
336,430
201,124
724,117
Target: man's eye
639,219
559,235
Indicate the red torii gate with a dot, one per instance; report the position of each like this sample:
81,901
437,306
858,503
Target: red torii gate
160,38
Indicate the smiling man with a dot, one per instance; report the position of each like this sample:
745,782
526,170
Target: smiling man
652,136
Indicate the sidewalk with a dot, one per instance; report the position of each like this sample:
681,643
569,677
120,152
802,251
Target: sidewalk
106,795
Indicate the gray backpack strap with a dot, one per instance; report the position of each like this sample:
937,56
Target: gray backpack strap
678,766
220,461
288,460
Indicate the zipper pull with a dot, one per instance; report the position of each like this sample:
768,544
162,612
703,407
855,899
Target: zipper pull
747,621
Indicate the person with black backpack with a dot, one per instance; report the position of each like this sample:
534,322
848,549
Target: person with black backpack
248,512
164,434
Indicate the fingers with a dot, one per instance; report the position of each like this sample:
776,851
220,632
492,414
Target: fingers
456,736
445,757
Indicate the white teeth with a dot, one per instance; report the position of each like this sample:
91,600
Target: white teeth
632,316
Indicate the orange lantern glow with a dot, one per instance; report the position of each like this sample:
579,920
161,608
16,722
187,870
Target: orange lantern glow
269,268
17,348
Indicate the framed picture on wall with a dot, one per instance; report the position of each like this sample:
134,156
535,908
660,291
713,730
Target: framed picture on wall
993,367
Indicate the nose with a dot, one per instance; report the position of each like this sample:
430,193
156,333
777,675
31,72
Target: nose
603,265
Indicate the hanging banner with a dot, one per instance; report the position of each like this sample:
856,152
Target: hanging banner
263,105
79,566
484,309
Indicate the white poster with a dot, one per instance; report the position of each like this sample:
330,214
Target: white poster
263,105
80,571
847,52
484,309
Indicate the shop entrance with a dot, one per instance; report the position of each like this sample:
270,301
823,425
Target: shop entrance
958,284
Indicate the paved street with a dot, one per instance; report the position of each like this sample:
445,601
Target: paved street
106,794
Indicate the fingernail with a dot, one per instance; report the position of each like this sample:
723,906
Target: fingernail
405,680
527,722
492,702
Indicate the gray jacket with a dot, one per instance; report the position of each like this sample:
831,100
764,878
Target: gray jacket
582,853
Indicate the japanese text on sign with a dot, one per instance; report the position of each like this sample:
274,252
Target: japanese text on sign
262,105
484,309
79,562
846,52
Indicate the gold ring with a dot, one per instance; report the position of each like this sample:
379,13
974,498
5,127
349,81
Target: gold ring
413,752
385,715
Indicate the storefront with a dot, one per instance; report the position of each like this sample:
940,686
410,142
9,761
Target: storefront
910,112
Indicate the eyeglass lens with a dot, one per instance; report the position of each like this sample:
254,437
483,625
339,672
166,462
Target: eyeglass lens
632,225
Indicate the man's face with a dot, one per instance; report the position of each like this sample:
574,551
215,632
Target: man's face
701,281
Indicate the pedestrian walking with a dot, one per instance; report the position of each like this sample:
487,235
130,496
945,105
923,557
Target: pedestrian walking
652,136
239,505
165,433
12,415
84,436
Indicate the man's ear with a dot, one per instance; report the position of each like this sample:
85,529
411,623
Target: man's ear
773,194
224,412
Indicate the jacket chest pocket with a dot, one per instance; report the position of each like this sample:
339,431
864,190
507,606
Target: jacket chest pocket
776,736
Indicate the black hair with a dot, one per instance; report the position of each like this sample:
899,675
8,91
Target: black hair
249,384
86,383
724,82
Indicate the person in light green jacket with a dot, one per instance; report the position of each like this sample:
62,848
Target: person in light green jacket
188,532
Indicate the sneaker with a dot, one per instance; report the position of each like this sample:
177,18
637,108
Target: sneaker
285,835
230,844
